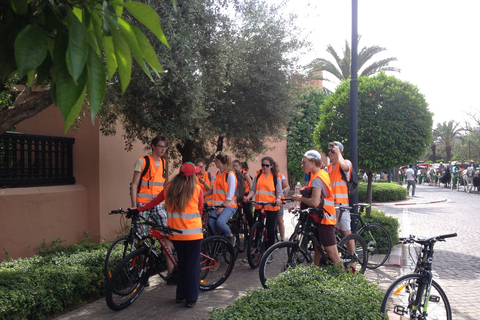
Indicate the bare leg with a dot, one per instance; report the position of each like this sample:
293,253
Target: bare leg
281,227
351,243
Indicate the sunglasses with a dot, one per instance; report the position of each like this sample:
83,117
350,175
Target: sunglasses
330,150
265,165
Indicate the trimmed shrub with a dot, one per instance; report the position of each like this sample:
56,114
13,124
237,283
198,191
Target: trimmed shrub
52,281
309,293
382,192
389,223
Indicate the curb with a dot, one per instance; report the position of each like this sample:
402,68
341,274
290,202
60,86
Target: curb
407,203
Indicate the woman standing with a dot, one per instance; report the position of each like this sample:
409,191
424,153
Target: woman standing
223,196
184,205
320,184
267,187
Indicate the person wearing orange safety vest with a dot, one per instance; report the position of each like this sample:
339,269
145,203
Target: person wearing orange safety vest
339,187
223,196
205,179
184,206
320,185
266,188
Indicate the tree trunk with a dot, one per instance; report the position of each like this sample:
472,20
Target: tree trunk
24,110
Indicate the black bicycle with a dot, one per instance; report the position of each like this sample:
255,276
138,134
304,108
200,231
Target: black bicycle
417,295
290,254
377,238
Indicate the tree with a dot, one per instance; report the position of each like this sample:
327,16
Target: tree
394,123
447,132
62,44
228,85
301,129
341,68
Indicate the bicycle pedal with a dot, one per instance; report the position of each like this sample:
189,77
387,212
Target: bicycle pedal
400,310
434,298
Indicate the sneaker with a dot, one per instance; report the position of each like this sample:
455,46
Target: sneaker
270,259
179,300
232,240
191,303
245,260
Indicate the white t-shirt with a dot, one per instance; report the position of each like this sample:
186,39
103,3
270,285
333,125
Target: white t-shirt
410,174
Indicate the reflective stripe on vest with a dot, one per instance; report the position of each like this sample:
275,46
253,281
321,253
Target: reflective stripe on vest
265,191
339,186
220,190
329,217
189,221
152,182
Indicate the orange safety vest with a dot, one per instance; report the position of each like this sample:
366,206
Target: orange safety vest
220,190
338,185
247,187
189,221
208,200
152,182
265,190
329,216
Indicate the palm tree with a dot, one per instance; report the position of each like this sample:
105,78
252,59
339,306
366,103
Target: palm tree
447,132
341,70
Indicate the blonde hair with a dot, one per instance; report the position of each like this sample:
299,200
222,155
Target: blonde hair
226,160
179,191
318,162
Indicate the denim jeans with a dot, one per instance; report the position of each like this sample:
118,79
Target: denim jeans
221,221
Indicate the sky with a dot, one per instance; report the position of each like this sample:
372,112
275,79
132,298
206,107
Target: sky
436,43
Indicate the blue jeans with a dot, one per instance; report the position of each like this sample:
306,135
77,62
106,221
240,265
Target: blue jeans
221,221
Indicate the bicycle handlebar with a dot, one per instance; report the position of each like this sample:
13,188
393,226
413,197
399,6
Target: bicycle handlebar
160,228
413,239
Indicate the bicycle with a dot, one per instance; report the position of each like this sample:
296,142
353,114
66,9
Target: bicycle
132,274
290,254
257,239
417,295
240,228
379,243
207,230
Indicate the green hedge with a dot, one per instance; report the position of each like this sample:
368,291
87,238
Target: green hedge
52,281
382,192
308,293
389,223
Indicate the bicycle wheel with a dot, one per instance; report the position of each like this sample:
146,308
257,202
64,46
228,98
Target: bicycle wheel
256,245
357,261
128,280
116,253
242,239
279,258
216,262
399,300
379,244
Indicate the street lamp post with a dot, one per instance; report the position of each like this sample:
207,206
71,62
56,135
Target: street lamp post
354,105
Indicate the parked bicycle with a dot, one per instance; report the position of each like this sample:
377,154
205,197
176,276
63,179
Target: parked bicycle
240,228
132,273
377,238
417,295
290,254
232,224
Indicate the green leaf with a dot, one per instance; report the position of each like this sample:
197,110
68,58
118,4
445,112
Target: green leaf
124,58
96,84
97,28
20,7
110,57
30,49
118,6
148,52
131,39
75,110
146,15
67,90
77,49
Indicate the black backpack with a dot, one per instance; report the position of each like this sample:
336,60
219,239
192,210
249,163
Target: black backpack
352,183
240,190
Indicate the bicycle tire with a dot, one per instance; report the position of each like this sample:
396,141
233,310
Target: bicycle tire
242,239
356,262
128,280
379,244
284,255
116,253
256,245
400,296
217,260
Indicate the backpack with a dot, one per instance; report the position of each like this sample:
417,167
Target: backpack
147,167
352,183
240,190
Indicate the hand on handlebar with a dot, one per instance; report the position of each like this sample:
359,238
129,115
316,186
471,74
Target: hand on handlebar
132,212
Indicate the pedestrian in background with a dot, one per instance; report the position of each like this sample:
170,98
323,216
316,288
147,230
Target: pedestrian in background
411,179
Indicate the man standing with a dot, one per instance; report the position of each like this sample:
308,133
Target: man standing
339,187
411,179
205,179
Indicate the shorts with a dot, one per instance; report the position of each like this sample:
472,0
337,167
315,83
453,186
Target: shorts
327,234
280,212
157,215
344,222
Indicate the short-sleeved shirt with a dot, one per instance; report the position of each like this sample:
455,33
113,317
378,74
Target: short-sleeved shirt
410,174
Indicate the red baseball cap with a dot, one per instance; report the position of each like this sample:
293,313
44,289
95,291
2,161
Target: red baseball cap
188,169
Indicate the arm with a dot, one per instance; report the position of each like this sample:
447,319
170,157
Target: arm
134,188
285,186
279,193
251,193
152,203
232,185
200,202
249,180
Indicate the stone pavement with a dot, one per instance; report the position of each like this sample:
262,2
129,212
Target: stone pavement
157,301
